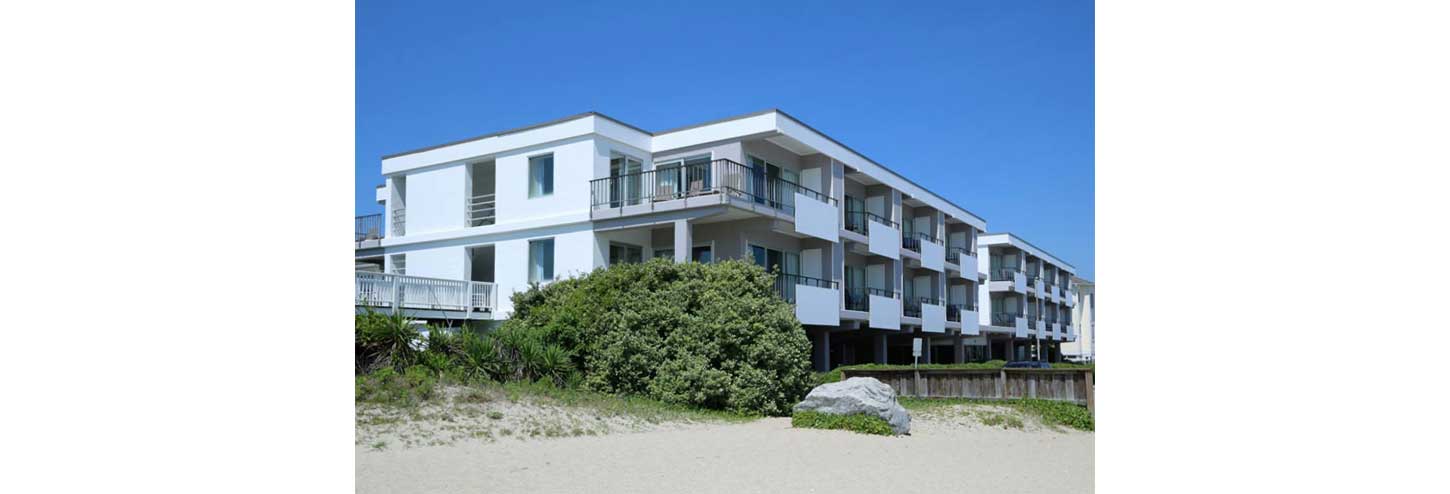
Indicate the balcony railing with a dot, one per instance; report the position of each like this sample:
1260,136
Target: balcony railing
417,292
911,308
369,227
400,220
1004,319
856,299
678,182
481,210
856,221
1003,274
955,255
785,284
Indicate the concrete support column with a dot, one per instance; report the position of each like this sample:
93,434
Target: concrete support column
1011,350
683,241
878,349
925,349
959,349
822,351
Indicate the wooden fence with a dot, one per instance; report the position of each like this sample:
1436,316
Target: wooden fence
1074,385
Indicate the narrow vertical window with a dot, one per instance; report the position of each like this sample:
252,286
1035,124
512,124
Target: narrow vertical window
541,175
541,260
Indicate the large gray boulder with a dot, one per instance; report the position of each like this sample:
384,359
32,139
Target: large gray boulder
863,395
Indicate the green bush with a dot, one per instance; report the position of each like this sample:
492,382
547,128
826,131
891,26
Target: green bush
382,341
709,335
865,424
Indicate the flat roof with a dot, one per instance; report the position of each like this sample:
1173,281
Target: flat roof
687,127
1044,253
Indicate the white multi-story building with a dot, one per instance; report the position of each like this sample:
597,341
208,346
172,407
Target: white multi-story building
869,258
1027,301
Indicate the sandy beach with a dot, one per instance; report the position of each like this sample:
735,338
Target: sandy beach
767,455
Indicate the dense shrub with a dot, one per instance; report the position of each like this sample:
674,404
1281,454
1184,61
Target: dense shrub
865,424
711,335
381,340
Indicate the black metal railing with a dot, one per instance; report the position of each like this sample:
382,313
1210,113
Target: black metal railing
1003,274
368,227
1004,319
785,284
912,241
955,255
911,307
717,176
856,299
954,312
856,221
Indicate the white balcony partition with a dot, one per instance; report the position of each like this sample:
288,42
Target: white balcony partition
933,256
933,318
1021,329
884,240
885,312
816,218
817,305
970,324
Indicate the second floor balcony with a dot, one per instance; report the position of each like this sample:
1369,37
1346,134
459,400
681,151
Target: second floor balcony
785,285
1004,274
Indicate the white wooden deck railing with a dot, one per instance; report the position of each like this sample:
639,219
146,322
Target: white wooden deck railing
417,292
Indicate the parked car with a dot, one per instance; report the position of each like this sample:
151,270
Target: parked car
1028,364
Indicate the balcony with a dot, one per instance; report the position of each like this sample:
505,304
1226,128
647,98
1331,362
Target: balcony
856,221
430,296
785,285
857,300
1004,319
912,307
400,221
885,308
720,181
481,210
368,230
1004,274
815,299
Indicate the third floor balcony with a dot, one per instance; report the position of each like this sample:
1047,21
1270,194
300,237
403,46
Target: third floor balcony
720,181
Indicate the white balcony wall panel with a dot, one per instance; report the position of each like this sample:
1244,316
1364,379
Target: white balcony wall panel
883,240
885,312
817,305
971,324
816,218
1021,328
933,256
933,318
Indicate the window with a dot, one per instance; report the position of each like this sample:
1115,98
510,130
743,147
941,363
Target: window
541,260
624,188
702,254
400,264
771,260
685,176
664,253
541,175
623,253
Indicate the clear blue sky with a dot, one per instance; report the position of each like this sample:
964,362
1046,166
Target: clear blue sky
988,103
